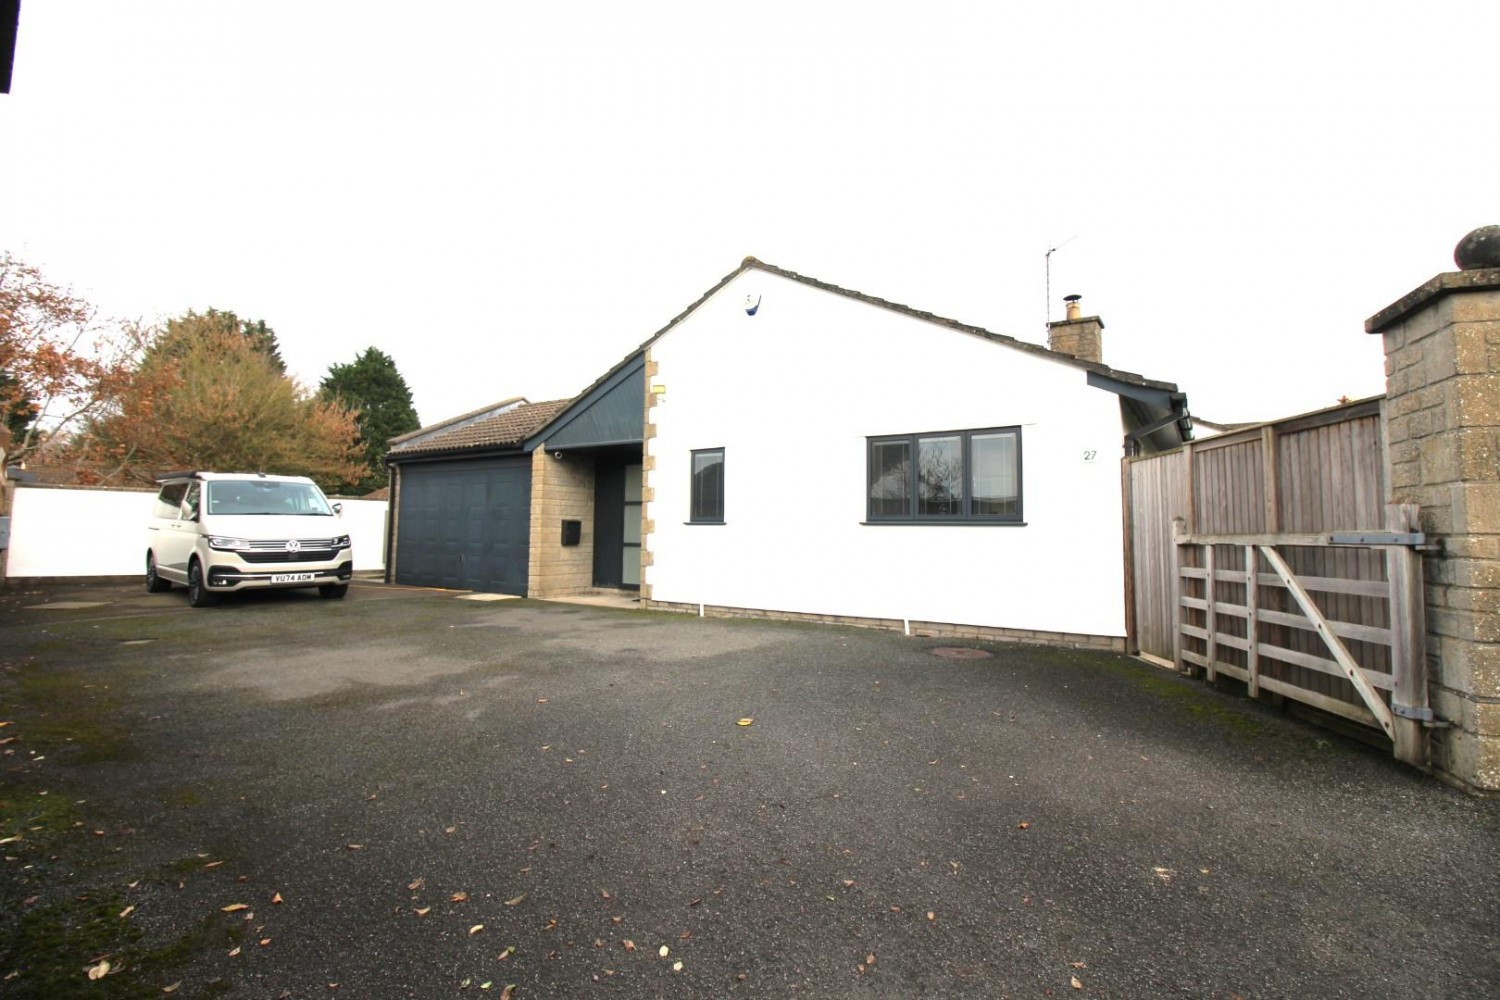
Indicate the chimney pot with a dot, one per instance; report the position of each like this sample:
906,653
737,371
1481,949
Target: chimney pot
1074,310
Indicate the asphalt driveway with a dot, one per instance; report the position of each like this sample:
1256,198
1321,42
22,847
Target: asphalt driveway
408,794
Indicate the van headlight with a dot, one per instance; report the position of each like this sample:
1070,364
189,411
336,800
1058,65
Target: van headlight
227,544
341,542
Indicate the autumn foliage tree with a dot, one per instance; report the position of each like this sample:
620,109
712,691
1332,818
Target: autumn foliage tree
59,364
210,397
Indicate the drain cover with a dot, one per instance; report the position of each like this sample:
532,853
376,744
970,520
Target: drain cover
960,653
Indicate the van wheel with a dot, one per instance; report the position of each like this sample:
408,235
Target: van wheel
333,591
154,583
198,595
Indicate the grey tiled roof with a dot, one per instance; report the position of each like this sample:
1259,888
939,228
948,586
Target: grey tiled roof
509,427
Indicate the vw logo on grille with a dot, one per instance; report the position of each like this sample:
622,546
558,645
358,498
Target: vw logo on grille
293,545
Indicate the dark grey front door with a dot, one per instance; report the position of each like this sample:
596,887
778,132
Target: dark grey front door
465,525
617,525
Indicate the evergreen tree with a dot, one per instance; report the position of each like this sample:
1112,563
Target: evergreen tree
374,390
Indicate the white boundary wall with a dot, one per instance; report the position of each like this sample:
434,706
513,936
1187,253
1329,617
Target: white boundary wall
62,531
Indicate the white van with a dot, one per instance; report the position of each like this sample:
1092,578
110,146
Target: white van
219,532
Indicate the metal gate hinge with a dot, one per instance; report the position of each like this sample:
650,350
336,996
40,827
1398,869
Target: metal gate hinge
1422,715
1378,538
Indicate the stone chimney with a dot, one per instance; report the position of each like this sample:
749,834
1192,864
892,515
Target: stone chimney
1078,335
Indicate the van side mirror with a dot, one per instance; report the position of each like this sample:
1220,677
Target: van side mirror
338,509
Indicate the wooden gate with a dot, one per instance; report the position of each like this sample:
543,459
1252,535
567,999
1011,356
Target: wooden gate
1269,555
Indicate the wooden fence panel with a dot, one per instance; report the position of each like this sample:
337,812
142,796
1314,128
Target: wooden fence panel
1158,494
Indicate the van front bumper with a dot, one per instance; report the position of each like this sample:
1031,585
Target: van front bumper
228,579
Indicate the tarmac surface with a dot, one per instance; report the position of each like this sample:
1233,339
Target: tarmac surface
405,794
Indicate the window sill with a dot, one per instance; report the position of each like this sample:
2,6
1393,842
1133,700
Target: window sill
955,523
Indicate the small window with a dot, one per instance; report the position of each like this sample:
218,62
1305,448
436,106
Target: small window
169,501
708,486
949,477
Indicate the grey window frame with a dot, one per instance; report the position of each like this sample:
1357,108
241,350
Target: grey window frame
967,514
693,496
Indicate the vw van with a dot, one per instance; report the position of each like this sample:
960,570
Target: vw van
220,532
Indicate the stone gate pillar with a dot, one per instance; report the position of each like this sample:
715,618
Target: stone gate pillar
1442,364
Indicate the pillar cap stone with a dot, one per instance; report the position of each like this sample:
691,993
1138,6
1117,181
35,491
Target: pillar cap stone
1442,285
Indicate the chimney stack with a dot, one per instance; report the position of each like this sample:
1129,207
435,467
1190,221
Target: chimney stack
1078,335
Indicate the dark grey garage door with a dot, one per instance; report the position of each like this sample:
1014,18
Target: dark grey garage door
465,525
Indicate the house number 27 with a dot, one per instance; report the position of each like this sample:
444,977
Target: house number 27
1089,456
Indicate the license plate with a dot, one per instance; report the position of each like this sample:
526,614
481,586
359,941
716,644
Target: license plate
293,577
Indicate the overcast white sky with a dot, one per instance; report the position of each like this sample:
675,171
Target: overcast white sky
509,197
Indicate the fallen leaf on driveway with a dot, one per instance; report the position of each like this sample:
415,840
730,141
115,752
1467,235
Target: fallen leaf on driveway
355,847
1073,982
870,958
236,907
509,951
1023,826
747,721
505,994
424,911
126,912
99,971
475,929
458,897
516,901
676,966
234,951
629,944
664,951
416,884
276,899
172,988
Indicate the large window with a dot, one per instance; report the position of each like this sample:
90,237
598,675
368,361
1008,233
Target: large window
708,486
953,476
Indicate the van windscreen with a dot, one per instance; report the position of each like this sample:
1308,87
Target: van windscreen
263,496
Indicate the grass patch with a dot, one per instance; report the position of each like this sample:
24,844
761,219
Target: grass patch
1191,698
71,716
40,821
54,945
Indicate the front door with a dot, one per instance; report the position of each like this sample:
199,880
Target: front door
617,525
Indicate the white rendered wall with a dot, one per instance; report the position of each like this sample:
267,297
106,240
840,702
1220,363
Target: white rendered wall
793,392
68,531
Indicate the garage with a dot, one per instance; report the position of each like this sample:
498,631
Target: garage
461,500
466,525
